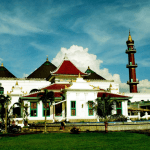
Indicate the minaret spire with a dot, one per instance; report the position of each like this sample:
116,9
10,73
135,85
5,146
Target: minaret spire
131,65
129,38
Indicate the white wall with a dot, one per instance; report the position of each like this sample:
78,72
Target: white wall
138,96
124,108
27,85
80,98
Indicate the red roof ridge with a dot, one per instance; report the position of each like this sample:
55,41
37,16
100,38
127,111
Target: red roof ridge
112,94
57,86
35,94
30,94
51,72
73,70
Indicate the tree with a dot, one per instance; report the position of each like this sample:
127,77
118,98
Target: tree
104,107
46,97
4,101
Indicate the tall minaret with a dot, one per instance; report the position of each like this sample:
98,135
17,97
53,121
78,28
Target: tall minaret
131,65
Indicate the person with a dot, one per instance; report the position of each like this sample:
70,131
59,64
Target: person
13,123
63,125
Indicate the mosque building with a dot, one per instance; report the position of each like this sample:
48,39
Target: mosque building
74,92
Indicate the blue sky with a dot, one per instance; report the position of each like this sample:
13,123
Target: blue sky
30,30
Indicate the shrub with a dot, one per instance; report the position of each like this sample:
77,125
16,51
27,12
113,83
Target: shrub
118,117
40,122
143,119
82,121
137,119
75,130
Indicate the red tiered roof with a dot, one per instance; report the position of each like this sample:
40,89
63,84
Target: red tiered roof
56,86
56,94
68,68
52,87
100,94
32,95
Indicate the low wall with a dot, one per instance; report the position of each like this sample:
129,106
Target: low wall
93,126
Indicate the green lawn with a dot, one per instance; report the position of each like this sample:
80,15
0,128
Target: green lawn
111,140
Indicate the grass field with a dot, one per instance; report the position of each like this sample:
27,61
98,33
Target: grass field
63,141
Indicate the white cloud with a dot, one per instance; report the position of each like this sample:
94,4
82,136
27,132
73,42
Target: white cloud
143,20
82,59
100,36
17,26
40,47
25,18
144,86
144,62
123,87
111,21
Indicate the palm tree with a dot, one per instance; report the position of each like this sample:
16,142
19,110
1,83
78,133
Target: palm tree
104,107
46,97
4,101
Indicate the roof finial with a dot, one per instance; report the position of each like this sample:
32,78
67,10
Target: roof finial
2,65
66,87
88,67
47,58
79,76
129,38
16,82
65,57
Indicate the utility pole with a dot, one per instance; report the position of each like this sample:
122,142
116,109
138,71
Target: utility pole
6,107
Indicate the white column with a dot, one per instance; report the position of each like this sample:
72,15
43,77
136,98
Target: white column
67,106
77,105
86,105
138,114
146,115
40,109
63,110
125,108
53,112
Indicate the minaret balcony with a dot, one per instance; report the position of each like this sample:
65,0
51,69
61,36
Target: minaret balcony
130,51
131,66
130,42
133,82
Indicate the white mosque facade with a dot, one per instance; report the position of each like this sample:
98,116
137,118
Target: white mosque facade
78,88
